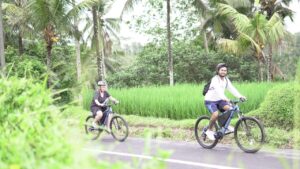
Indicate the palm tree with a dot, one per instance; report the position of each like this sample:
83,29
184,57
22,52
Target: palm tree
77,37
96,42
2,57
75,13
17,17
270,7
253,33
213,24
97,9
104,29
170,57
50,18
99,30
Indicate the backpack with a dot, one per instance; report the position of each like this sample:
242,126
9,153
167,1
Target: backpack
206,88
207,85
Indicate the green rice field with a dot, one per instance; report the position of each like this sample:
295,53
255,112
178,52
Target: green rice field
184,101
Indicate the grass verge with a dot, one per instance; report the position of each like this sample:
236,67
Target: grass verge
183,130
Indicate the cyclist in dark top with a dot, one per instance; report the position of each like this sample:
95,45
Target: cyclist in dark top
98,107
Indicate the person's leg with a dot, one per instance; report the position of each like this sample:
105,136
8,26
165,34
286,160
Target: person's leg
213,119
98,116
226,106
212,108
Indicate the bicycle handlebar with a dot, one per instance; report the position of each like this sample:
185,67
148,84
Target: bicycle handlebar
237,101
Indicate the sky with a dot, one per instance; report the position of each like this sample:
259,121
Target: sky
131,36
294,26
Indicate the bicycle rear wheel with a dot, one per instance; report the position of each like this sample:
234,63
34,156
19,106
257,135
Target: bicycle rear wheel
90,130
249,134
200,129
119,128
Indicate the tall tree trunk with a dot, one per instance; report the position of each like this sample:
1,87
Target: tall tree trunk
20,41
205,43
78,59
2,57
171,73
77,46
269,63
96,41
103,45
49,48
48,36
261,70
103,64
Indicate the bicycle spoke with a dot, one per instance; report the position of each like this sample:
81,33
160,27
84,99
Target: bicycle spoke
90,130
119,128
249,135
200,129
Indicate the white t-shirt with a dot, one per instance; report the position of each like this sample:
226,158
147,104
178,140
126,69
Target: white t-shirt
217,88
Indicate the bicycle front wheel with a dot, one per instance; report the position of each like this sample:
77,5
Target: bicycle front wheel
249,134
119,128
91,132
200,128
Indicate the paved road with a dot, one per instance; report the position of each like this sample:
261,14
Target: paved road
191,156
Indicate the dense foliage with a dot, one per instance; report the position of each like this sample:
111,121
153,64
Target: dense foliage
31,64
29,124
191,65
277,110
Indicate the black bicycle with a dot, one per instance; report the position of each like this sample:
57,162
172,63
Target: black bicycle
248,132
118,125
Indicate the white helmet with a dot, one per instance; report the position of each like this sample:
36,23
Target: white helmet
101,83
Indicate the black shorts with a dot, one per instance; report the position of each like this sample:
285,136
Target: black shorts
95,109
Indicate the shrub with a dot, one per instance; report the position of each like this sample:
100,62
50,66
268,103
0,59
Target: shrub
31,135
277,109
297,108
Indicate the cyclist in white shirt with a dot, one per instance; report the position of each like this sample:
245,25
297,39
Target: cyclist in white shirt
215,97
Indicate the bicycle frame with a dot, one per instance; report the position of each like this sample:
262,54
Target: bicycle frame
109,110
222,130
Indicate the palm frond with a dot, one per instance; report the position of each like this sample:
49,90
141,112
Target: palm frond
85,4
239,3
240,21
128,6
15,15
228,45
253,43
113,24
276,30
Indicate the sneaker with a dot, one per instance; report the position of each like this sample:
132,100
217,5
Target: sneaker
230,129
210,134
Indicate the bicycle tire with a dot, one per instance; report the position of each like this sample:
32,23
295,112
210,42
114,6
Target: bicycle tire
89,129
246,121
202,135
114,122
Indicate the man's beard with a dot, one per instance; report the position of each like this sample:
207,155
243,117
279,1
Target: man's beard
222,75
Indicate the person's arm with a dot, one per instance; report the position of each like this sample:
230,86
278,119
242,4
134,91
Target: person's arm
112,98
215,84
232,89
96,96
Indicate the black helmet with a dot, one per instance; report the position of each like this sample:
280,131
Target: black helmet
101,83
219,66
